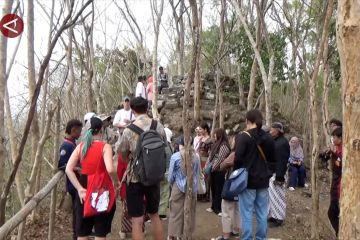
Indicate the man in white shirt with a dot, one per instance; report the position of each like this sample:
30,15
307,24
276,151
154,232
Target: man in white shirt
140,88
124,116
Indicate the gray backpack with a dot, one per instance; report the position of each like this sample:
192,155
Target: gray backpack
150,159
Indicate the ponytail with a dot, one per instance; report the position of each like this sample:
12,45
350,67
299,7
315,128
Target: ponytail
86,140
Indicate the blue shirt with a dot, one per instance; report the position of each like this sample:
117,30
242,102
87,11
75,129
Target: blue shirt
177,176
66,149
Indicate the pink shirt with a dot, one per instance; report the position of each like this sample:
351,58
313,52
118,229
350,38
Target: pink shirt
149,90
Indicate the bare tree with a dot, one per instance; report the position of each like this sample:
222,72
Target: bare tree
266,76
180,31
3,59
156,13
185,121
55,159
197,82
66,24
35,132
348,40
315,123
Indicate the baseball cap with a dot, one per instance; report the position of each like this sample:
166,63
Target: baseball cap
104,117
96,124
279,126
126,98
88,116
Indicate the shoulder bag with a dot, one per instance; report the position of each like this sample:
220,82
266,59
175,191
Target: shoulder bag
239,177
100,193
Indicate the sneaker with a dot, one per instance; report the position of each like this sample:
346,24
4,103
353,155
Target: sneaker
122,235
163,217
235,234
306,185
291,189
219,214
209,210
220,238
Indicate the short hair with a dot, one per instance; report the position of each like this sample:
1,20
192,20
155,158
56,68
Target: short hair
337,132
335,121
73,123
139,105
161,68
205,126
255,116
140,78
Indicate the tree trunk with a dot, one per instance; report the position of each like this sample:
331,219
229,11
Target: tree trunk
197,82
71,75
185,122
325,96
35,132
3,55
315,124
241,89
156,23
348,40
55,158
181,68
216,106
221,109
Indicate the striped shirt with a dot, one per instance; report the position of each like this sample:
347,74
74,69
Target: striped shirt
219,157
176,175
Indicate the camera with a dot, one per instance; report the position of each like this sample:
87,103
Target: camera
325,156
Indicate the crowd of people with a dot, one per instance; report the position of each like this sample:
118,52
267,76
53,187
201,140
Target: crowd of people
102,157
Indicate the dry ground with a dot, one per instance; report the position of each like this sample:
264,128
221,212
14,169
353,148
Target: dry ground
208,225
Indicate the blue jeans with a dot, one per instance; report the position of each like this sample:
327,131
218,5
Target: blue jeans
297,176
248,199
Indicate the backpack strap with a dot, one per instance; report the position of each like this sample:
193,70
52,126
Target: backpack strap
153,125
135,129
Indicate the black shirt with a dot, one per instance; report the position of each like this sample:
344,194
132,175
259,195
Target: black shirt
282,154
247,156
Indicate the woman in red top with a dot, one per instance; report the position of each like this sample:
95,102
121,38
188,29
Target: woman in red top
94,155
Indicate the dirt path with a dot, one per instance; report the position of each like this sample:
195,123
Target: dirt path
208,225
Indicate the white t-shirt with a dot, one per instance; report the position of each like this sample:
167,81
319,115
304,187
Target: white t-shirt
122,115
140,90
168,134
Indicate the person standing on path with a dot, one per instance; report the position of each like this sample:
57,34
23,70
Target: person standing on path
123,117
277,188
248,155
95,156
72,133
336,161
177,179
162,80
220,150
149,90
135,190
204,148
230,214
140,90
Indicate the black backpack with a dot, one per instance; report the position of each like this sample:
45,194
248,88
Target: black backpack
150,159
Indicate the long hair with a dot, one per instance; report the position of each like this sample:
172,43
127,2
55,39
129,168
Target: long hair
221,139
182,154
96,126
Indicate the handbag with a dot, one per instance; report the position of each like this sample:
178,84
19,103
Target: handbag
226,194
239,177
100,193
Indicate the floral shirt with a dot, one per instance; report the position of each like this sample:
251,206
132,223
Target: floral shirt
129,140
